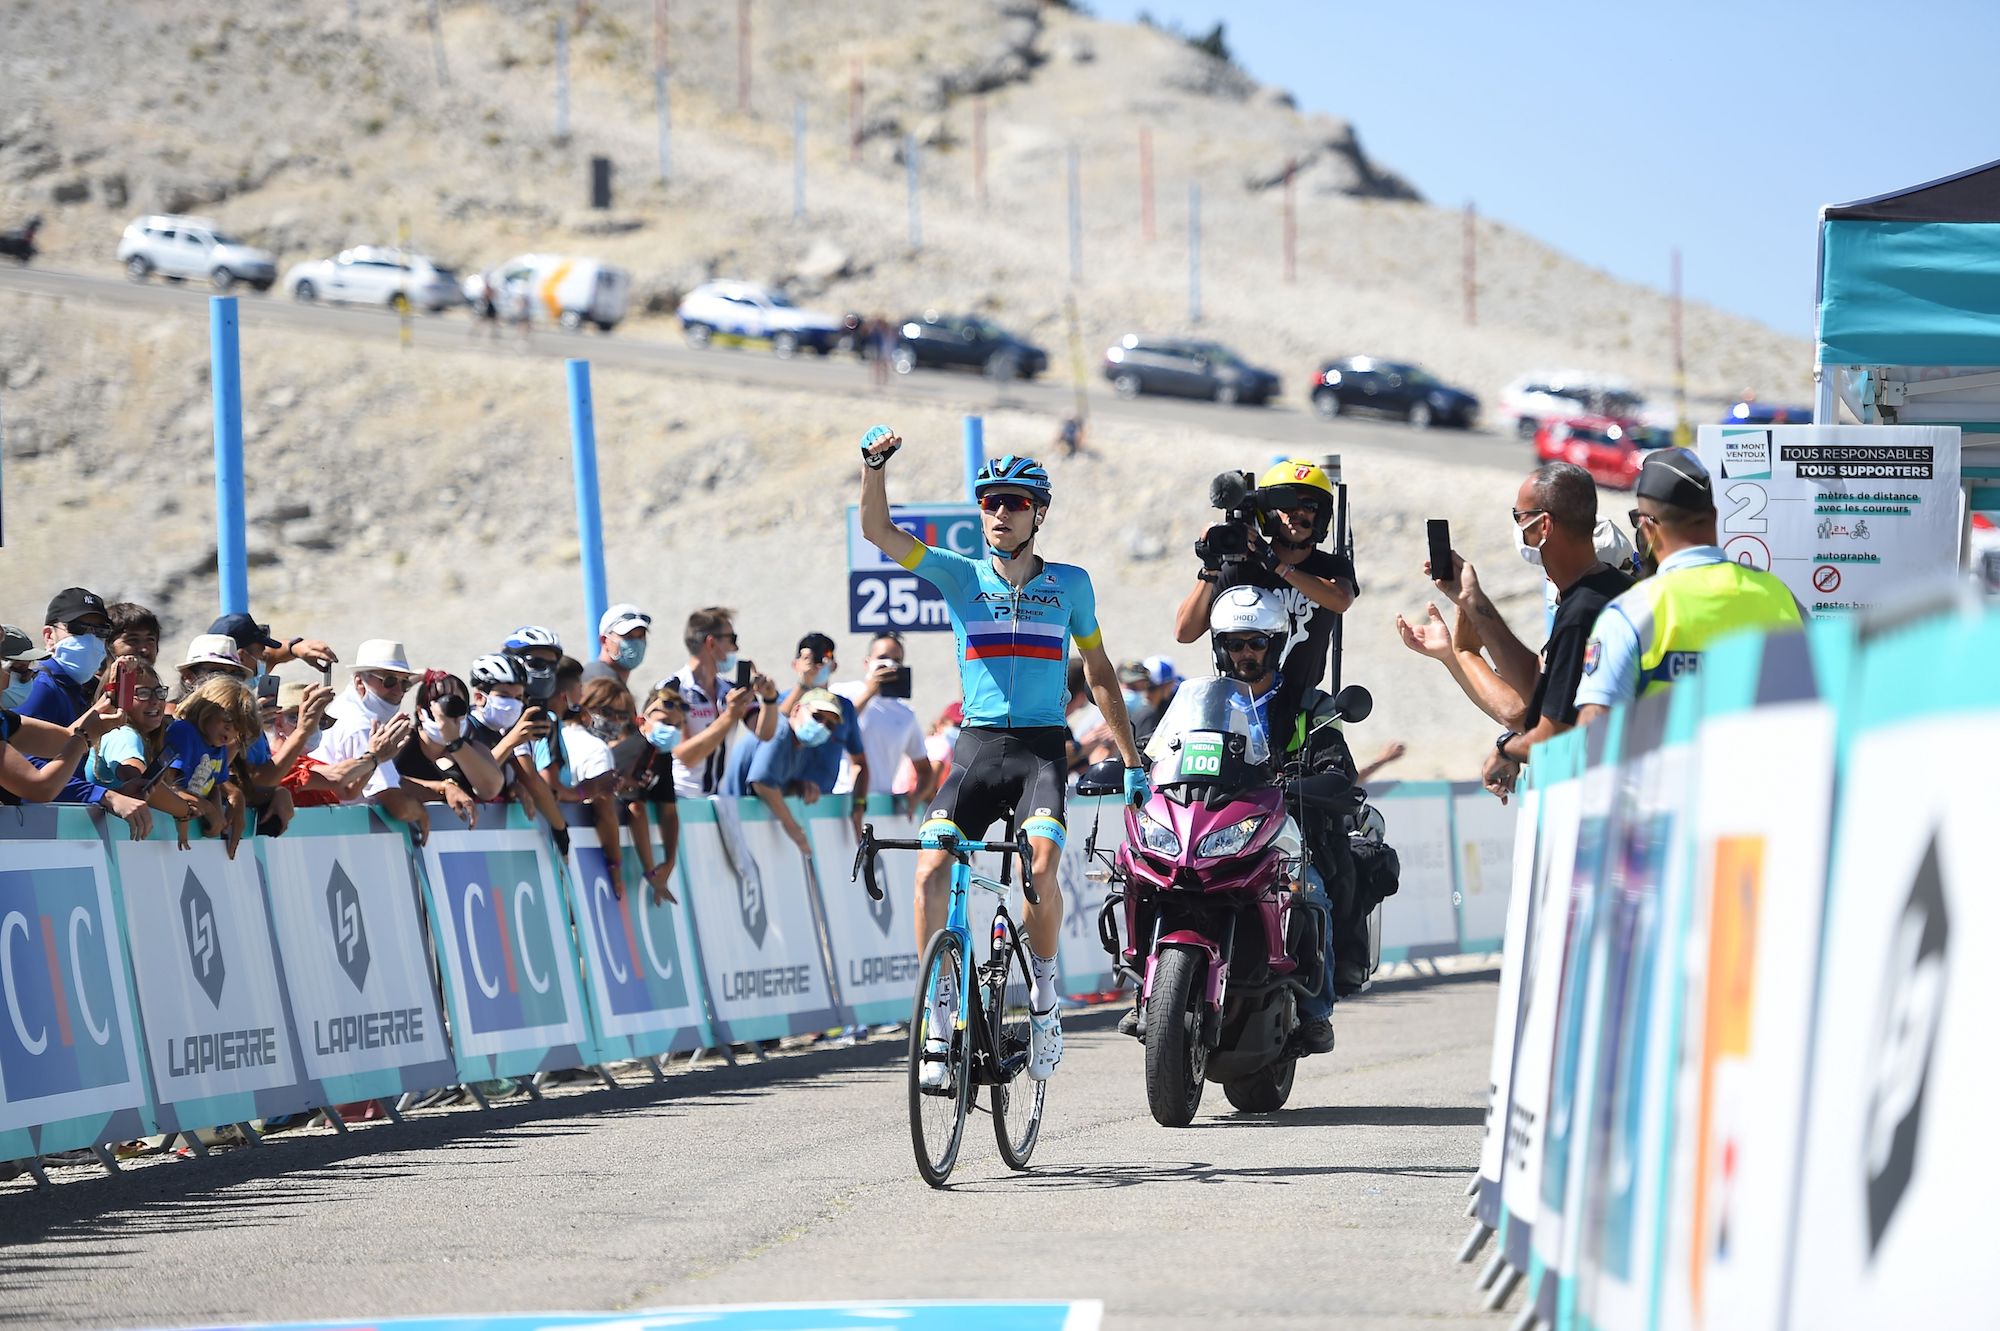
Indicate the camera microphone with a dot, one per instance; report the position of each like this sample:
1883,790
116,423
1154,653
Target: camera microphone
1228,490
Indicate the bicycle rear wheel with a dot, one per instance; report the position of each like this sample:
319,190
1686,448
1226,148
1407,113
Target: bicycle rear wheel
937,1118
1006,986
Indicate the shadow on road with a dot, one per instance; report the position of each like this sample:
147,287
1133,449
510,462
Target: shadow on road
1132,1174
1356,1116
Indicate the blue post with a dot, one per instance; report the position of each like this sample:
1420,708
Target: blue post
225,373
589,517
975,452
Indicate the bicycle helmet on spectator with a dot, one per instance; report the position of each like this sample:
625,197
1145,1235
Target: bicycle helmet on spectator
1014,472
530,636
490,670
1249,610
1286,484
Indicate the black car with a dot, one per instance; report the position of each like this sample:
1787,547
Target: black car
1182,367
1393,388
938,341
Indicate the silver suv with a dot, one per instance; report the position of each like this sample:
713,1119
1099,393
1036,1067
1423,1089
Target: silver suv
183,247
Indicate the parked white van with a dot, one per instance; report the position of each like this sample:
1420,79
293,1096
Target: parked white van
556,288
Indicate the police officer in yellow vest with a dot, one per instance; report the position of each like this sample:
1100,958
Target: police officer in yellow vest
1655,633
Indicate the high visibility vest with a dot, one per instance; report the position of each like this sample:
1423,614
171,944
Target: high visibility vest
1679,613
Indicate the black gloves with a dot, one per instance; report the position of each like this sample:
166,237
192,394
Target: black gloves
561,837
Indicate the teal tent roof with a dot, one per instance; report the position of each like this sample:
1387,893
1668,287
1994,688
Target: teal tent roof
1913,277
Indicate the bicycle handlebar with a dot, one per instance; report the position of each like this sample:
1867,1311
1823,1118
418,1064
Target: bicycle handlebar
864,857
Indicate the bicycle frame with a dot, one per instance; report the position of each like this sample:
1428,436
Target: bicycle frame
958,920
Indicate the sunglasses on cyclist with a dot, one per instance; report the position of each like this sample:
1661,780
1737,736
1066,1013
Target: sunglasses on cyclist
1249,642
1008,503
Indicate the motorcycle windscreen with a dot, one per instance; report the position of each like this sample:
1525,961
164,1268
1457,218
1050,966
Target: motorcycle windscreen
1210,722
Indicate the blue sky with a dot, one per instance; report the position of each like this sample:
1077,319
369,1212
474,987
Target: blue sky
1616,130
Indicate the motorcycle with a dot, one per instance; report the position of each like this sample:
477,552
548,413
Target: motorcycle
19,243
1208,883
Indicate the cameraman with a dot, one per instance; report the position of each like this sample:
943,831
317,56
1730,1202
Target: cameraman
1291,509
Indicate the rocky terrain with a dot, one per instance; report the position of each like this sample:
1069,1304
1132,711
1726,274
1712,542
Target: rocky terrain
425,495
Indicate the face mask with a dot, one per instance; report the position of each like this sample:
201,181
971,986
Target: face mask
811,732
432,731
80,658
499,712
1134,701
606,728
541,681
1530,554
823,674
664,737
726,667
14,695
631,652
378,709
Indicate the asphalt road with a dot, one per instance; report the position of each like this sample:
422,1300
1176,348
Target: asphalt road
1288,423
792,1180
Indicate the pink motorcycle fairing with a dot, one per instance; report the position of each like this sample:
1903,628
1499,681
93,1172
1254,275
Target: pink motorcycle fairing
1252,870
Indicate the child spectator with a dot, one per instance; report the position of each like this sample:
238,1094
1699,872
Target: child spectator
135,631
210,727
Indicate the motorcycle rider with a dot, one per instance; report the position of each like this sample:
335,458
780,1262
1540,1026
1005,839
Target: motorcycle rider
1249,630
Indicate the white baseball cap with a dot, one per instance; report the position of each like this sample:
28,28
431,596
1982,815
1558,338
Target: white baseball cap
623,618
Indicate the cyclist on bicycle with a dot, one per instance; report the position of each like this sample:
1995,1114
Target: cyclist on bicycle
1013,615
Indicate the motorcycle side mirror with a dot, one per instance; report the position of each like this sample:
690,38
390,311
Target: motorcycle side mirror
1353,703
1102,778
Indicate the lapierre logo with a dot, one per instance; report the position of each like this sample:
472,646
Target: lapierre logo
750,902
1903,1045
350,931
204,944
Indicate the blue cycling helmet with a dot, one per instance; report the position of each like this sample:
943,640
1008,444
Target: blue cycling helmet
530,635
1016,473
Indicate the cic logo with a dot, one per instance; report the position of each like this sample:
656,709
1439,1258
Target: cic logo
350,931
204,944
63,998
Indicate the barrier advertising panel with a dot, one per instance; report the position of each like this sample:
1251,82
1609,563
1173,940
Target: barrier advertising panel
874,943
1507,1009
1893,1211
355,962
1420,920
504,947
217,1034
639,965
1484,830
69,1052
755,919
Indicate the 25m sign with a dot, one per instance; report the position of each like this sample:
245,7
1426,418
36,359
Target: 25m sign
901,601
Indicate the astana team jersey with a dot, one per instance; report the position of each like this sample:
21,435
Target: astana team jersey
1013,647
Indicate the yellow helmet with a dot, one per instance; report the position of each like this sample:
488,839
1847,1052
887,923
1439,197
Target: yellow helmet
1295,479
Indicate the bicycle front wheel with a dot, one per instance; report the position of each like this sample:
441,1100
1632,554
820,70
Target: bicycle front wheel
1006,986
937,1115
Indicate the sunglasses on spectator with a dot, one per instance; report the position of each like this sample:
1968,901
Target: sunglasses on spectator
724,637
1520,513
1249,642
86,629
388,683
668,705
1636,515
1008,503
158,694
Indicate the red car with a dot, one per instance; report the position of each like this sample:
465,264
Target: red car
1605,446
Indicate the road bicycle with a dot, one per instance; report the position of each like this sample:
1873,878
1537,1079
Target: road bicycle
988,1042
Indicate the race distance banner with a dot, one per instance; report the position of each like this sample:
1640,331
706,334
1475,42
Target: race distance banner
1845,514
1739,1060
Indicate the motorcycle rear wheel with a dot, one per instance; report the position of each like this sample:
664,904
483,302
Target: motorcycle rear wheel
1265,1090
1176,1059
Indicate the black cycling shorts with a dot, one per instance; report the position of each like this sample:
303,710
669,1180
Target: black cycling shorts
995,772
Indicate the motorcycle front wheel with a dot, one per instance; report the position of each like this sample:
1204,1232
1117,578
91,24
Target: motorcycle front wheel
1176,1059
1265,1090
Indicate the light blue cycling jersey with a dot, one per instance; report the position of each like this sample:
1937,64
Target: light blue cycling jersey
1013,648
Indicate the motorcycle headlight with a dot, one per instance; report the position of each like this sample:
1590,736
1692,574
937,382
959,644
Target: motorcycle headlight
1232,839
1157,836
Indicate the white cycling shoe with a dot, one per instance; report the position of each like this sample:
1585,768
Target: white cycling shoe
935,1073
1045,1043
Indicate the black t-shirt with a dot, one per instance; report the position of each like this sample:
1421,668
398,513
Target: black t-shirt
1304,663
1562,657
413,761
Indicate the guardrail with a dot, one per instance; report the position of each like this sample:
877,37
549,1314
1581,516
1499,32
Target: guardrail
1742,1060
149,989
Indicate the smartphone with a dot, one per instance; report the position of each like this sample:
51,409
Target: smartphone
743,670
630,754
896,685
1439,532
123,688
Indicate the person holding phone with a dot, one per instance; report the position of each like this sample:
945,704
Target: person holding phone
721,690
890,730
650,782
